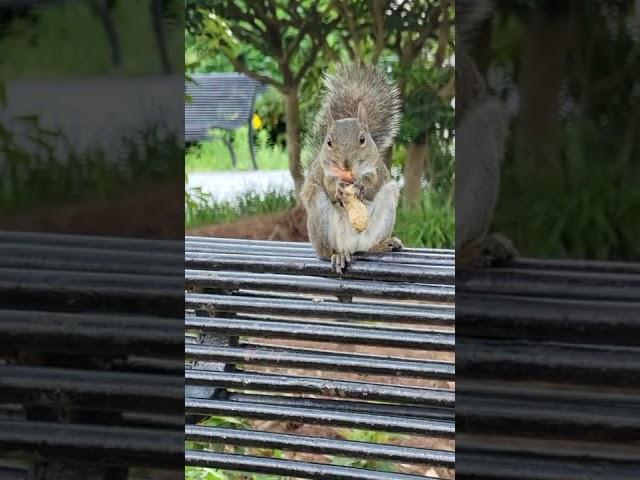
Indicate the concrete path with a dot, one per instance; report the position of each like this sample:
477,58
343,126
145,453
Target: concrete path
231,185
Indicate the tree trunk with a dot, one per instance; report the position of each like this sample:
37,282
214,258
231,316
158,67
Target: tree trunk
543,64
292,118
414,169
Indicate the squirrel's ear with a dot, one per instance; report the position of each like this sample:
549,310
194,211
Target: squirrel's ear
330,119
362,115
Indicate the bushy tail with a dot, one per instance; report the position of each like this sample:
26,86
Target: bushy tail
344,90
469,16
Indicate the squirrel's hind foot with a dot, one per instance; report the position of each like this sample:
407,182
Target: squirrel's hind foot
390,244
339,262
494,250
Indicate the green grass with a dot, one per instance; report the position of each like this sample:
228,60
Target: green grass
431,225
198,473
200,209
50,171
581,201
68,38
214,156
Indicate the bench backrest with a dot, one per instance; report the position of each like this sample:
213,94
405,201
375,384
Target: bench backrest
218,100
277,341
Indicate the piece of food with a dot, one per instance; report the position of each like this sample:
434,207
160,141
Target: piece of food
356,210
344,175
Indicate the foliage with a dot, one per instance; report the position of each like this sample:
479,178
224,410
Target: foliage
37,44
578,184
431,225
213,155
48,169
371,437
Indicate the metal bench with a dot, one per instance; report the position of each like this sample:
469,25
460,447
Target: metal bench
274,338
548,357
220,100
91,369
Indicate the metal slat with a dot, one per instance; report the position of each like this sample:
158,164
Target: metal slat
551,419
242,243
534,318
497,465
292,468
315,267
92,241
425,340
318,445
90,333
387,409
390,257
86,290
82,259
121,446
318,359
90,388
576,265
321,386
422,314
319,285
586,285
564,363
335,418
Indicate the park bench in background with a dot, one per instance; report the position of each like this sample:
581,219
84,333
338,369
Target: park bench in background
91,369
223,101
273,337
548,366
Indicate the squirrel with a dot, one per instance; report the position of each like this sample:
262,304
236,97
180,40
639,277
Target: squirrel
481,133
356,124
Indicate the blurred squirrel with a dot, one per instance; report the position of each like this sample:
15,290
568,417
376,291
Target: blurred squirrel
357,122
481,133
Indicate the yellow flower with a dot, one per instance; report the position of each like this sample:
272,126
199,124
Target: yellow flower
256,122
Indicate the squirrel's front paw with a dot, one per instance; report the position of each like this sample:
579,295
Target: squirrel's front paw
340,192
339,262
360,190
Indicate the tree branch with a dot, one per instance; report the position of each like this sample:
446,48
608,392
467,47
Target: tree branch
242,68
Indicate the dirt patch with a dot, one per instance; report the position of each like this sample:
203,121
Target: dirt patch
287,226
151,211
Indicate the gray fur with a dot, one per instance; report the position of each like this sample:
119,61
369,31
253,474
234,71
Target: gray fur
360,116
343,92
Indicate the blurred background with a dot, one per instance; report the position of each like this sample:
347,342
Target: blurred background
90,116
287,46
569,74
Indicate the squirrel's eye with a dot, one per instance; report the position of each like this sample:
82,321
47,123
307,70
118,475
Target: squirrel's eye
329,142
362,139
